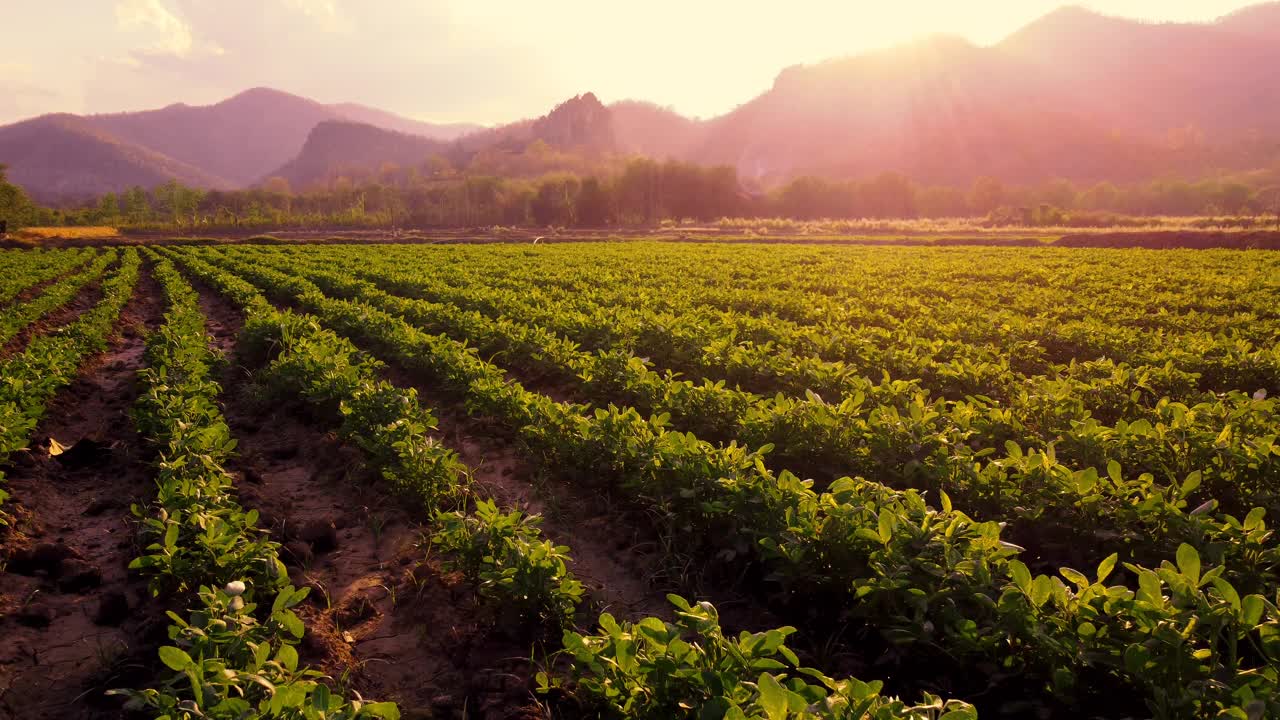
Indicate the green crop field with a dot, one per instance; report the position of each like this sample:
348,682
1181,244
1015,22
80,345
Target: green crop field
639,480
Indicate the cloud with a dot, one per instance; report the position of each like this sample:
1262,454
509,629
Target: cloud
171,36
324,13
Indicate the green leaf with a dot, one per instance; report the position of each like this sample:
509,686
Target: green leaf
1189,562
1251,607
320,698
886,525
1113,471
291,623
1076,577
1150,587
1041,589
773,697
1253,521
1228,592
1191,483
1106,566
1021,576
171,536
288,657
1135,658
384,710
175,659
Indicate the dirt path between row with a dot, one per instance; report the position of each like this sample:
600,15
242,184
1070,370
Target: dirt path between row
73,621
615,554
382,618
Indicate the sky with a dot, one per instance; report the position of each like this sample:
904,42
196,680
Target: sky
484,61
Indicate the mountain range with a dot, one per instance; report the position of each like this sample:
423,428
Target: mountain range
1075,94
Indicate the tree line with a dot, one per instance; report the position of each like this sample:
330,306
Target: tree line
641,192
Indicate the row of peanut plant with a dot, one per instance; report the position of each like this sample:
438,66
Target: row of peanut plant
233,651
935,315
925,578
21,270
1025,488
31,378
16,318
512,565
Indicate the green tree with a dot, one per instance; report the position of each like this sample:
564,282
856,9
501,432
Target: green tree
986,196
16,208
556,201
593,206
1103,196
108,209
137,209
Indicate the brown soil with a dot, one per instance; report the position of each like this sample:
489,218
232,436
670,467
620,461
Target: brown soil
605,557
74,622
614,554
86,298
1265,239
608,558
382,618
1169,239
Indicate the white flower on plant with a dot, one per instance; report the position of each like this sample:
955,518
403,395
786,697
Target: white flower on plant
235,588
237,603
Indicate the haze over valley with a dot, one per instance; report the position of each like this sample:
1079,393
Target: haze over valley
1075,94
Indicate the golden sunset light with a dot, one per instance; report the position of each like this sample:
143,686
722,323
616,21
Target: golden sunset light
823,360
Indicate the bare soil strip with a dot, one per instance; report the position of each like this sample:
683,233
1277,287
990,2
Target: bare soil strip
382,617
616,555
73,621
614,560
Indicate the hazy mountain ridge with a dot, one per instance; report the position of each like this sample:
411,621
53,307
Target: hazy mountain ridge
644,128
233,143
356,112
1074,94
581,122
60,156
333,146
581,125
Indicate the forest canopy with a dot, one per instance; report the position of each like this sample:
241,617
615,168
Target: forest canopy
640,192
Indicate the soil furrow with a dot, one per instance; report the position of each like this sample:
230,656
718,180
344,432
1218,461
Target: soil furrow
74,621
616,555
382,618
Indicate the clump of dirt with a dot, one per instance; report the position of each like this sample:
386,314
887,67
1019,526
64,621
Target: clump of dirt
74,622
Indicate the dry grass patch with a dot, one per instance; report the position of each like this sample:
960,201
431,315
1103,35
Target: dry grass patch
85,233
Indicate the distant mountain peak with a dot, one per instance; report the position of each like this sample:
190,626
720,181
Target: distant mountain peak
1076,94
1258,20
581,121
263,92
